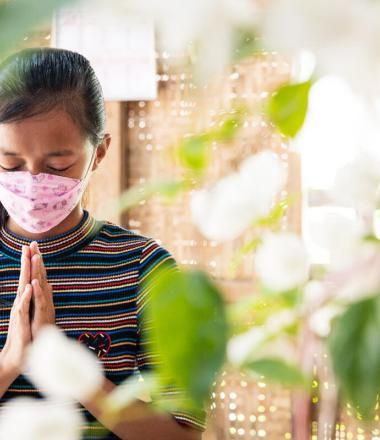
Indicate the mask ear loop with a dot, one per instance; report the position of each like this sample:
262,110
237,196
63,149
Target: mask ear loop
91,163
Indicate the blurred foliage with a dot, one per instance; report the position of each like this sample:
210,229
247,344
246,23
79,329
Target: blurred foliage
354,346
189,319
194,152
277,370
287,107
256,309
167,189
245,44
271,221
116,405
188,329
246,249
18,17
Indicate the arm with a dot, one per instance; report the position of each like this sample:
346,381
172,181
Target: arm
8,373
141,421
147,424
19,333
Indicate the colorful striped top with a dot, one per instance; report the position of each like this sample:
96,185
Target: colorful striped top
96,270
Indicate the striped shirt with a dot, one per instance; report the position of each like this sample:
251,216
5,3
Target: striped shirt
96,270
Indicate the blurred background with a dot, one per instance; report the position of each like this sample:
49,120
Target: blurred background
156,96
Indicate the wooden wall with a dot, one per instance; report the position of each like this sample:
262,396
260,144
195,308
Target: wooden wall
109,180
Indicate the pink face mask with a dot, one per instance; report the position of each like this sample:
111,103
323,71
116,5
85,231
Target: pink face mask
40,202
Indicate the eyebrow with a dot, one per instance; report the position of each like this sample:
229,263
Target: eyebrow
52,154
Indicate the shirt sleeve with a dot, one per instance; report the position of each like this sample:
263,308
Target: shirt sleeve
154,258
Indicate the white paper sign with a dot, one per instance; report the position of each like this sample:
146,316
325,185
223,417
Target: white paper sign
120,49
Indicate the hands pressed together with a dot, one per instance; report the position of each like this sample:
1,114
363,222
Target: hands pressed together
32,309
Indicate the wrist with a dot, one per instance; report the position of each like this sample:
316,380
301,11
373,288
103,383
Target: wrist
8,366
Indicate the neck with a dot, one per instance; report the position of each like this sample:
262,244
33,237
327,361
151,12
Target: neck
68,223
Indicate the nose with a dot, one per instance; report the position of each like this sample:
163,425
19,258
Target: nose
35,167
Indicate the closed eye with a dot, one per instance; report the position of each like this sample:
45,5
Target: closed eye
58,170
9,169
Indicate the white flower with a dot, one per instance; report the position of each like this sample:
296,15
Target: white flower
264,175
282,262
62,367
135,387
225,210
343,34
279,321
242,346
363,280
341,235
336,119
36,419
357,183
263,341
279,348
313,293
353,283
320,321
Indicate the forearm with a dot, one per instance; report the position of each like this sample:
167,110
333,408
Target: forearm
143,422
8,374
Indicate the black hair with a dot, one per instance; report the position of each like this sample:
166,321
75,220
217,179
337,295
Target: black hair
37,80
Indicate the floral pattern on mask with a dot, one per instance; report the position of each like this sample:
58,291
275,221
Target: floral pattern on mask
39,202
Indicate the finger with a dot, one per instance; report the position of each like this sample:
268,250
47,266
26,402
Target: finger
39,295
34,248
38,292
36,268
24,278
43,270
26,299
20,288
36,251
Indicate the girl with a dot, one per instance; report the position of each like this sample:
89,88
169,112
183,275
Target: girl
59,265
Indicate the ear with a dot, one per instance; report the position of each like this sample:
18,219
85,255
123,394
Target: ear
101,151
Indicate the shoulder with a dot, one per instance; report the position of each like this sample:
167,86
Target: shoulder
148,249
113,233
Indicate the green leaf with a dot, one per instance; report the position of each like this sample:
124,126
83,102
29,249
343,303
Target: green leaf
354,345
246,249
167,189
275,216
229,125
245,44
194,152
188,330
18,17
272,220
288,106
277,370
371,238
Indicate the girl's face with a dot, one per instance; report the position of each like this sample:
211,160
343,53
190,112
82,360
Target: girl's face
48,143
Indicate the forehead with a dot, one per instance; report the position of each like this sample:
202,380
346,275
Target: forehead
42,134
